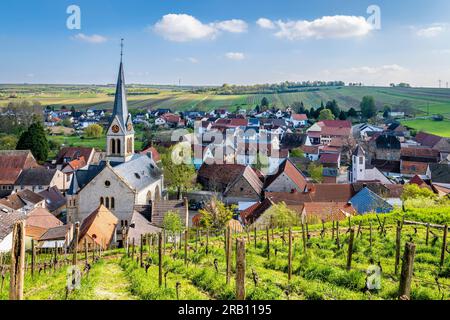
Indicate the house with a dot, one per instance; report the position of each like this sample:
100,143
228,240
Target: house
412,168
438,143
439,174
99,229
330,175
38,179
330,160
366,201
318,212
268,153
246,187
139,226
367,130
419,154
161,207
23,201
7,221
311,152
387,147
252,213
12,163
60,237
69,154
299,120
287,179
217,177
324,131
55,201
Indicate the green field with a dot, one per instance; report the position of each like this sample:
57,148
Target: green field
440,128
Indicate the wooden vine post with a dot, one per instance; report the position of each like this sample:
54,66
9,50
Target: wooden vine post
428,234
332,231
444,246
76,234
254,236
185,246
85,251
17,262
132,250
350,248
207,241
268,243
398,238
290,255
141,252
160,257
370,234
407,271
228,253
240,269
337,234
33,257
304,238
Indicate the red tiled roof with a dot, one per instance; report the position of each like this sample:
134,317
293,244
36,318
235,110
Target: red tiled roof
317,212
9,175
77,163
170,117
337,123
299,117
74,153
310,149
411,167
426,139
316,193
252,213
155,154
335,131
332,158
291,171
238,122
40,217
419,152
12,162
221,173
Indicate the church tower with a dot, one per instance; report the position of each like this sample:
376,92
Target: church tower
358,165
120,135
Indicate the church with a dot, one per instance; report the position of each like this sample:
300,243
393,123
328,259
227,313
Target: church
125,182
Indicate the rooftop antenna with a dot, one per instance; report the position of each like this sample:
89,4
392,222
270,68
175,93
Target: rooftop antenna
121,49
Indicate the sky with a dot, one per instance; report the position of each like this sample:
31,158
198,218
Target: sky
212,42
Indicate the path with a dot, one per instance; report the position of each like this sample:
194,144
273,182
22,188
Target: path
113,284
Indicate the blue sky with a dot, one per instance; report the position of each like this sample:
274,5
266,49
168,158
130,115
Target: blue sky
214,42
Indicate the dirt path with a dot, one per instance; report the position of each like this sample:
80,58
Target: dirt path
113,284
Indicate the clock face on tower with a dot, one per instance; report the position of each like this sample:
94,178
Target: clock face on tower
115,128
129,127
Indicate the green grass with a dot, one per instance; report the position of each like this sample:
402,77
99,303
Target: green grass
441,128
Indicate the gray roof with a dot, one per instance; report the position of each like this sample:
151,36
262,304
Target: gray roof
36,177
82,177
120,101
440,173
141,227
160,208
56,233
139,172
54,199
7,221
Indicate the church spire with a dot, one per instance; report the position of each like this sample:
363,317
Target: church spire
120,101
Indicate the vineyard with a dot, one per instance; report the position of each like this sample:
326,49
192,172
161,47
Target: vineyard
327,261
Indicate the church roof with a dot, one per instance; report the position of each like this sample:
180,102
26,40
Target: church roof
120,100
359,152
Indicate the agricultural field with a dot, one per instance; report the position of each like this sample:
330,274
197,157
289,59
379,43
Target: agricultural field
440,128
322,267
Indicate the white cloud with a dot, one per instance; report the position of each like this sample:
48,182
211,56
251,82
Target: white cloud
189,59
233,25
193,60
265,23
184,27
430,32
235,56
325,27
391,68
95,38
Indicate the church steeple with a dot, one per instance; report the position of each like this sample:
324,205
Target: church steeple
120,100
120,137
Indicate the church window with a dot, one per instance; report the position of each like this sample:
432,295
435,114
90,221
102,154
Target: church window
107,202
361,160
137,175
118,147
113,204
107,183
129,145
113,146
102,201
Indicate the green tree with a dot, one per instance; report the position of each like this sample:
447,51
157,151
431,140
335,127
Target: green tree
342,115
368,107
178,174
35,140
316,172
333,106
413,191
66,123
93,131
279,215
326,114
297,153
8,142
216,215
172,223
352,113
264,104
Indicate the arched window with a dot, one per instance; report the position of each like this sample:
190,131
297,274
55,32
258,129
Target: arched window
113,146
102,201
149,197
107,202
157,193
129,145
118,147
113,204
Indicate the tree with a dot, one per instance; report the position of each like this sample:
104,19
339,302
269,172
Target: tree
342,115
264,104
386,111
66,123
177,175
17,116
35,140
352,113
368,107
8,142
172,223
298,107
297,153
413,191
215,215
93,131
333,106
279,215
326,114
316,172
